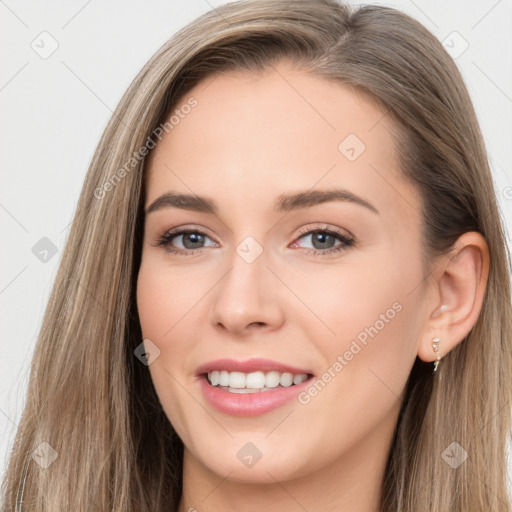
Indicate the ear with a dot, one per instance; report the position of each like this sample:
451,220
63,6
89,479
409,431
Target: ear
457,289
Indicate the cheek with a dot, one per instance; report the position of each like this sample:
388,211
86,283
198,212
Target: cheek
169,303
352,299
165,297
160,309
368,318
376,321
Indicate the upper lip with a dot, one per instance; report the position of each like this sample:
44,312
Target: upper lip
250,365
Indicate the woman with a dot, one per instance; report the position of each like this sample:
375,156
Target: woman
286,285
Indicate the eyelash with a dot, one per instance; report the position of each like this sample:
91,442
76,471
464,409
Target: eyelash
346,241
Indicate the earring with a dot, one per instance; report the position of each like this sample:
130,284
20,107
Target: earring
435,347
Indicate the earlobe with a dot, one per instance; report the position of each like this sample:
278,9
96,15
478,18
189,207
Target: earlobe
459,291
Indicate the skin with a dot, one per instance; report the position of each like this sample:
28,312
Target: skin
250,139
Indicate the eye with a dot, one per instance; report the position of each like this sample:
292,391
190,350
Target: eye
324,240
188,241
184,241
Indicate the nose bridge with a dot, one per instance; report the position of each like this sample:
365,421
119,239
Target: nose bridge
245,295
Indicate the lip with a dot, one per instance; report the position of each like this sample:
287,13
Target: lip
250,365
250,404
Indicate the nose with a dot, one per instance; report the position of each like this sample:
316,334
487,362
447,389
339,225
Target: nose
247,299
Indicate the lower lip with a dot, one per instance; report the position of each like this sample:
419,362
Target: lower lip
250,404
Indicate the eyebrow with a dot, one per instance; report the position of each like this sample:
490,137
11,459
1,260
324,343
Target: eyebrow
284,203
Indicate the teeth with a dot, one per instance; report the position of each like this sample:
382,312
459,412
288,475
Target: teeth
239,382
272,379
214,377
256,380
223,379
297,379
286,380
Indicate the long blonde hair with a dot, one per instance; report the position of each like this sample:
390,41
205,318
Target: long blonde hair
93,401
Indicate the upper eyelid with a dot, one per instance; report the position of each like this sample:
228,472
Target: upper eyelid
187,228
338,231
302,231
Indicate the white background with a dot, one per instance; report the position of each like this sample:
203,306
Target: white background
55,109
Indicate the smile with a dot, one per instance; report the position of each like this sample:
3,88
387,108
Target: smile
255,382
252,387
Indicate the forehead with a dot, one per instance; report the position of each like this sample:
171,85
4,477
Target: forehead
256,136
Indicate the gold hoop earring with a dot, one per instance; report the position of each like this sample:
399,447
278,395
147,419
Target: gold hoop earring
435,347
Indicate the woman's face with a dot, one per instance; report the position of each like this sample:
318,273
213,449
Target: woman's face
301,255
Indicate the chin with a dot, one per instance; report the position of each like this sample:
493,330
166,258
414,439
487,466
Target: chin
257,461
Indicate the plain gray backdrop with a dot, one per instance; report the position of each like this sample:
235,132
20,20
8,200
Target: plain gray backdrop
65,66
